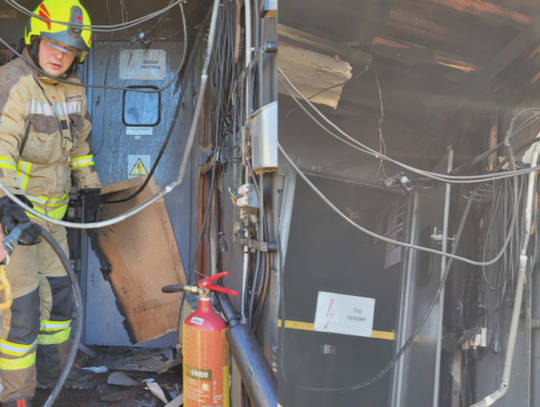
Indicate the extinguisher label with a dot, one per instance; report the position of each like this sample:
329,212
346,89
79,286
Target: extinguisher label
200,374
206,366
197,320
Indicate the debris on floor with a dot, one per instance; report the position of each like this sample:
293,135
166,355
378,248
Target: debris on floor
121,379
120,395
133,367
169,365
140,359
156,390
97,369
177,402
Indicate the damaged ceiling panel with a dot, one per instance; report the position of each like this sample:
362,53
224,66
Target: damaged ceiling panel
319,77
444,29
433,58
490,12
428,53
528,7
339,21
413,54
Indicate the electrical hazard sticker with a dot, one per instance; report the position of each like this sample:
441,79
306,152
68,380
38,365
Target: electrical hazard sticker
138,165
344,314
138,168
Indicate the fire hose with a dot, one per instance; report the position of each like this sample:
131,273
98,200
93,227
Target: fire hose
10,243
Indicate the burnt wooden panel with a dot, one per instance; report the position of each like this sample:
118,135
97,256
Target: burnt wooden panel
145,257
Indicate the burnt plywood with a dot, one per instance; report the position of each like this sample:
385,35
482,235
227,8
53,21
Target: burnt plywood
145,257
319,77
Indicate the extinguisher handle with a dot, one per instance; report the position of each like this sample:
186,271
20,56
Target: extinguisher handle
209,284
214,287
206,281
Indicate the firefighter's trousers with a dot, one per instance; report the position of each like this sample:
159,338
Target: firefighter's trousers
41,312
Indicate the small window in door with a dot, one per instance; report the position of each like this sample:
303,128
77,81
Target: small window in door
142,109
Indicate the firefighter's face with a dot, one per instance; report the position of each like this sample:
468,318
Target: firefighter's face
53,61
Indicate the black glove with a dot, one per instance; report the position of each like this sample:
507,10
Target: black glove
93,203
12,214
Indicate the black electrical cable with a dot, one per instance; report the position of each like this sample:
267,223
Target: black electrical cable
510,263
266,284
494,211
498,284
199,240
258,286
218,121
266,280
259,291
49,238
254,296
159,157
248,282
255,285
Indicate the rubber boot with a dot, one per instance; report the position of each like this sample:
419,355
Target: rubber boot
50,363
18,402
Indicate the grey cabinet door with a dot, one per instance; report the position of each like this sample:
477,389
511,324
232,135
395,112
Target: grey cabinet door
129,130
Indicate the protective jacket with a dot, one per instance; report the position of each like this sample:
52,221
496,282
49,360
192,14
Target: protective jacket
44,130
44,127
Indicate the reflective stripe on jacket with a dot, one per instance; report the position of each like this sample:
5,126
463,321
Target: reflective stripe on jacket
44,127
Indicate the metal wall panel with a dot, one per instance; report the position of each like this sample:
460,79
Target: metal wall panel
112,146
325,253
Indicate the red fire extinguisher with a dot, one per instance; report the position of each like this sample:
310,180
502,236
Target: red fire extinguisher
206,351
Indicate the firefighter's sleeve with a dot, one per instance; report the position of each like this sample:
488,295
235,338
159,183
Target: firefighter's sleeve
12,129
84,168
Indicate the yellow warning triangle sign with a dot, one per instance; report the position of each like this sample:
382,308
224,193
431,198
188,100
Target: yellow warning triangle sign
139,168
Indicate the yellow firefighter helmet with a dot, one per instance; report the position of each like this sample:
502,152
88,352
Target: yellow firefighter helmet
72,40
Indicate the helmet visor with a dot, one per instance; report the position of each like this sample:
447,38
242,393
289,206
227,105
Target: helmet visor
64,47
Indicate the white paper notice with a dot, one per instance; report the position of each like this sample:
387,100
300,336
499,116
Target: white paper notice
139,131
149,65
344,314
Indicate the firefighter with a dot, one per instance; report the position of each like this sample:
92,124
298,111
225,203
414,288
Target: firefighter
44,144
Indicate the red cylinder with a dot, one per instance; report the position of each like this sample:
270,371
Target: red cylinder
206,359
